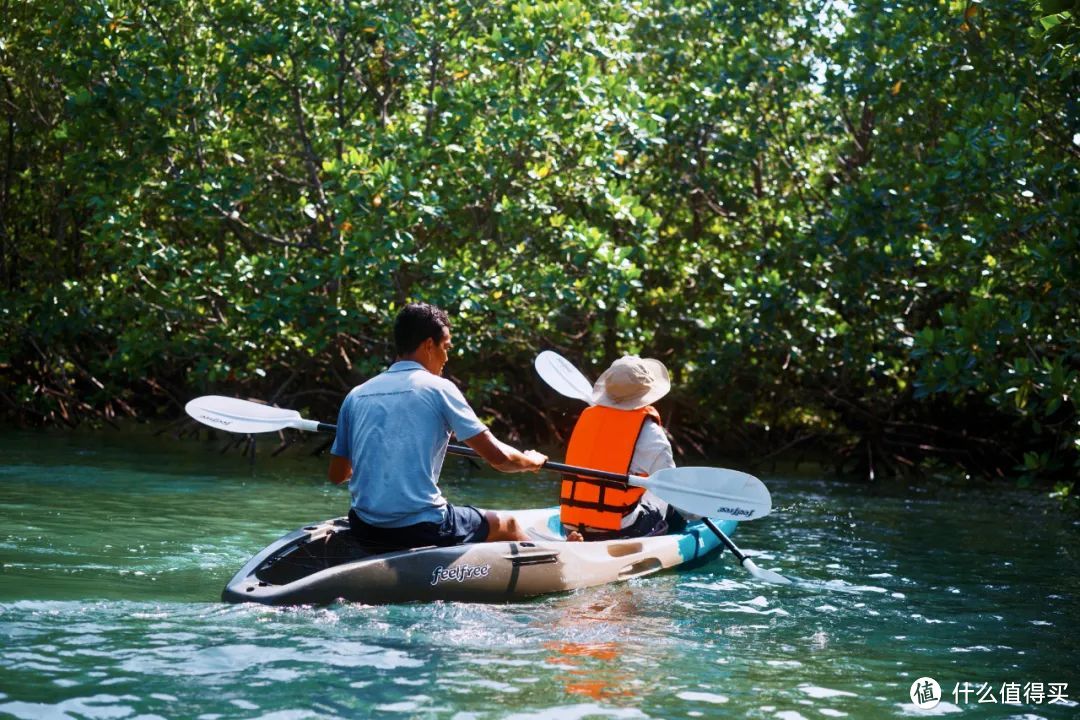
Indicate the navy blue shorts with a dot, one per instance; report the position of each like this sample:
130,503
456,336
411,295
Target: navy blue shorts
464,524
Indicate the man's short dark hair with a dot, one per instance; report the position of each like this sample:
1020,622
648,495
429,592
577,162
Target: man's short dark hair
416,323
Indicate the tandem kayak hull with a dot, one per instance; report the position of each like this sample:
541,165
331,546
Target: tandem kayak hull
322,563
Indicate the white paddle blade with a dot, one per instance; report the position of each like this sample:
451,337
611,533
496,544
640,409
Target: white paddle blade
765,574
561,375
710,492
240,416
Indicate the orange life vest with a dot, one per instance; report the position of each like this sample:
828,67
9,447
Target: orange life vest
603,439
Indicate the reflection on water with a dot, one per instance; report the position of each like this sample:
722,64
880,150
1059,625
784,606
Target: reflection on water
594,664
112,559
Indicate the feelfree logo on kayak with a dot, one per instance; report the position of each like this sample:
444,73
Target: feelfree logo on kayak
459,573
736,511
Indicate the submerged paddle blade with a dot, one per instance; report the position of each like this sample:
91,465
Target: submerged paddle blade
241,416
745,562
561,375
710,492
764,574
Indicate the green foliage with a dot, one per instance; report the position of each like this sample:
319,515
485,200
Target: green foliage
1057,27
837,221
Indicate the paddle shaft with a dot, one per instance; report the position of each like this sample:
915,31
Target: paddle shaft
549,465
739,555
553,466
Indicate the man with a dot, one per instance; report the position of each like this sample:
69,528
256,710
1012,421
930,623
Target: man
392,435
620,433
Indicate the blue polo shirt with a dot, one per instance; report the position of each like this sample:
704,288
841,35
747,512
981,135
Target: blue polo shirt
394,429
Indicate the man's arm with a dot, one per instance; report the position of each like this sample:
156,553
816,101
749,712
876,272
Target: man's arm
340,465
502,457
340,469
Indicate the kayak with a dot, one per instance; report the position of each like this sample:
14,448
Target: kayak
322,563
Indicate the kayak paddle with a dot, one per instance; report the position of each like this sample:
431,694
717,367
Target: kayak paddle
724,494
561,375
244,416
565,379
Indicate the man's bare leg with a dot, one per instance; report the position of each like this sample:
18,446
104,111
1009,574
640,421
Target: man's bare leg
507,528
503,527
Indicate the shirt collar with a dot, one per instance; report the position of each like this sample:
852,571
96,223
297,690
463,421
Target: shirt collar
404,365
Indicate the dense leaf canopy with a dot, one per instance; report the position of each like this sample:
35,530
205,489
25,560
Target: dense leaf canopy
844,226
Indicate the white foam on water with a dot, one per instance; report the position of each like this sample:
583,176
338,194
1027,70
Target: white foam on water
829,712
577,712
943,708
240,657
280,675
837,586
702,697
407,705
821,692
490,684
928,621
116,681
725,584
100,707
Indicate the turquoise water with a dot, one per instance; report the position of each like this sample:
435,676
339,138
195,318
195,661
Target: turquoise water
115,547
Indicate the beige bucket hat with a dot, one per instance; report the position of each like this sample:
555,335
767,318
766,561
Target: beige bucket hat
631,383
